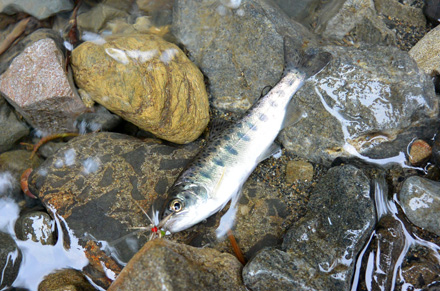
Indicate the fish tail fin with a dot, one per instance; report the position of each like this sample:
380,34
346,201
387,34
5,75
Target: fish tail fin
308,63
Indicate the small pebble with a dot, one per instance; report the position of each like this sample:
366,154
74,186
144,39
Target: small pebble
299,171
420,152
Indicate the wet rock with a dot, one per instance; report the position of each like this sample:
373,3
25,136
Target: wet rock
94,19
420,269
419,152
318,251
388,241
14,163
95,180
99,120
427,52
420,199
302,11
12,128
299,170
405,19
148,82
432,11
67,279
152,6
38,9
37,226
356,18
10,260
35,81
163,264
241,50
344,112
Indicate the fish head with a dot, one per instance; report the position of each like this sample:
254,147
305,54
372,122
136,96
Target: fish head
183,207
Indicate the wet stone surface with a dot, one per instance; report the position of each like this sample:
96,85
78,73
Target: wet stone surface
10,260
348,88
100,176
326,240
37,226
67,279
420,199
162,264
12,128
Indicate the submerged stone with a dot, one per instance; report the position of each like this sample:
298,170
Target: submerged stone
319,251
370,101
420,199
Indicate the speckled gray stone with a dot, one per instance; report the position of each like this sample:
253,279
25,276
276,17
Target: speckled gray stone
420,199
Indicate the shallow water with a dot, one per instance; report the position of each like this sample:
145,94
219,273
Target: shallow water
40,260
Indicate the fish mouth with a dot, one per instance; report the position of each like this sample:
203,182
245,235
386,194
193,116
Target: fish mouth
164,220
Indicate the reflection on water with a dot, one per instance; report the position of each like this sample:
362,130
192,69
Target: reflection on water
40,260
380,253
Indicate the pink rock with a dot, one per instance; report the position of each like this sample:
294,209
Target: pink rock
38,87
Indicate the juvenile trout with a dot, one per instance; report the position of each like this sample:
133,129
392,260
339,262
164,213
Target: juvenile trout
218,172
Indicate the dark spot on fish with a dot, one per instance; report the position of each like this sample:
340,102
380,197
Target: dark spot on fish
273,104
243,136
252,126
239,125
231,150
171,164
205,174
219,162
226,137
263,117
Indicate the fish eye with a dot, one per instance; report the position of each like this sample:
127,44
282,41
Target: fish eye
176,205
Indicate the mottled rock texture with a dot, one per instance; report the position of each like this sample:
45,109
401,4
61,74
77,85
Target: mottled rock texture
147,81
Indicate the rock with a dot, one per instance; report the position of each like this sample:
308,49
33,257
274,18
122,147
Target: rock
94,19
37,226
404,19
299,170
353,20
432,11
35,81
420,199
241,51
162,264
15,163
302,11
99,120
147,81
10,260
152,6
388,241
419,152
38,9
420,268
8,56
12,128
67,279
365,100
319,251
427,52
96,179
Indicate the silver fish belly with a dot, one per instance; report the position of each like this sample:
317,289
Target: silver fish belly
218,172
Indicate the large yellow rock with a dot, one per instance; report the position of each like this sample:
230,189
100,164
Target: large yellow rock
147,81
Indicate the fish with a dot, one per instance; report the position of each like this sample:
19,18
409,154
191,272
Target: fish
218,172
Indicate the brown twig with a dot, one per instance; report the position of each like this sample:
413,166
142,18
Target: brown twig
14,34
236,248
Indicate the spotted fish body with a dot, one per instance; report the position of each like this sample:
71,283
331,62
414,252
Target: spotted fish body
218,172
